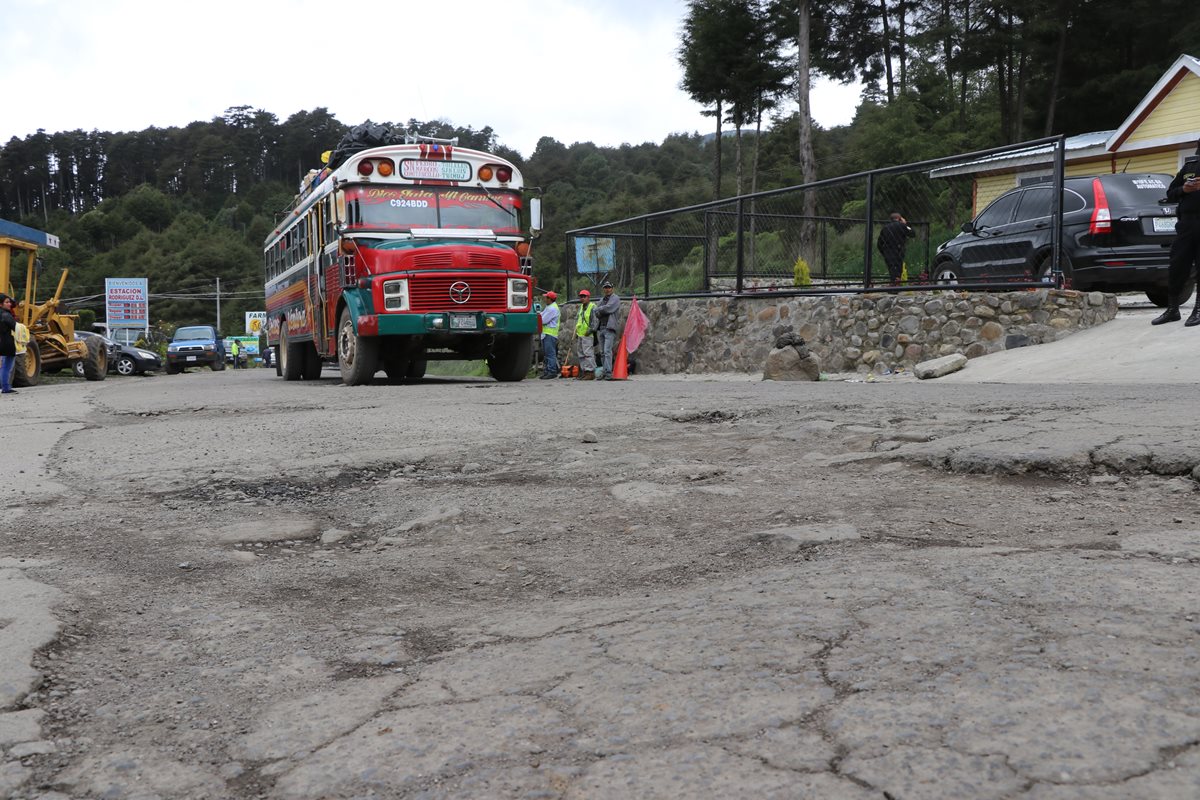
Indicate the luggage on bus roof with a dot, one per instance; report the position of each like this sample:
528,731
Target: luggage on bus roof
363,137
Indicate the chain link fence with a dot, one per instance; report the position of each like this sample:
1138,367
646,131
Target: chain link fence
835,235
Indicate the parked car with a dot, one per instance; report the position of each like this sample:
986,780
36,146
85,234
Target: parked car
1117,235
195,346
123,359
134,360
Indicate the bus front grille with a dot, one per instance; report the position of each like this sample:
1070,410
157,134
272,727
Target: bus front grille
451,293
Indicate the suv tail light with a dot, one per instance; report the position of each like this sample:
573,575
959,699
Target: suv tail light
1101,216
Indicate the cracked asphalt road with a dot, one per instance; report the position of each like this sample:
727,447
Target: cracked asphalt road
224,585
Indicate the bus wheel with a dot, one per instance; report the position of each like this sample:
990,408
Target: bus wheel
416,369
358,356
291,358
395,365
510,357
312,363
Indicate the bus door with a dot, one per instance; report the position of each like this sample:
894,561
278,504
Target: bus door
316,278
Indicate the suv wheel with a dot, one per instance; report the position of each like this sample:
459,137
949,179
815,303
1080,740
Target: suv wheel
1045,270
946,273
1162,298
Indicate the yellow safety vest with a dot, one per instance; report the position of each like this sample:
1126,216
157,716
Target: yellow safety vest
551,330
584,323
21,338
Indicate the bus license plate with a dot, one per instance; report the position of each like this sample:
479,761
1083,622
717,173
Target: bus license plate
1164,224
463,322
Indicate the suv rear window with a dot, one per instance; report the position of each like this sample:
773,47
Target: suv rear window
1134,191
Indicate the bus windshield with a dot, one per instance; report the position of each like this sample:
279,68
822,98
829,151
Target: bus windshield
402,208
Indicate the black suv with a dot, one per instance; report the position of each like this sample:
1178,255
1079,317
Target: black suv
1117,236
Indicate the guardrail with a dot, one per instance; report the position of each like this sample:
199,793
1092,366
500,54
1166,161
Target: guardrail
823,237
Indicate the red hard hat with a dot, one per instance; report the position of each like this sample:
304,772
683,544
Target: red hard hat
551,296
584,293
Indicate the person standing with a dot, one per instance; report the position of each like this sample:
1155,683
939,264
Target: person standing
892,242
550,318
8,344
1185,252
235,349
585,326
609,312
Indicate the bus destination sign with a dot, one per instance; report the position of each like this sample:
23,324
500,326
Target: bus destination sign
421,170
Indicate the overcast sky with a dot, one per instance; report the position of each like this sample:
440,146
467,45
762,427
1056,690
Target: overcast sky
603,71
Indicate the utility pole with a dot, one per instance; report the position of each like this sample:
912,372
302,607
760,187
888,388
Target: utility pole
218,306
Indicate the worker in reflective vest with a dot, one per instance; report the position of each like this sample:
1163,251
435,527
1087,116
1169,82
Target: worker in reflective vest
585,326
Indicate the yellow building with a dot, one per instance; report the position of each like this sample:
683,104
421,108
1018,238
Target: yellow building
1155,137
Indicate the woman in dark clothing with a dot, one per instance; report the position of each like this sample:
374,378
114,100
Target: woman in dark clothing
1185,252
8,345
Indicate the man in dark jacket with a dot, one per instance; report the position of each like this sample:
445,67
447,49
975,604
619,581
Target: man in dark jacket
8,345
893,240
1185,252
608,310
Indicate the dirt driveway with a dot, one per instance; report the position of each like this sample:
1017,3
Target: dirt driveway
225,585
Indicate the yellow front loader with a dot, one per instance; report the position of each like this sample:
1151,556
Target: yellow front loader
52,343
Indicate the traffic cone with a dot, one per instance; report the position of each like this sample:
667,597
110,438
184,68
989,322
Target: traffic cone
620,370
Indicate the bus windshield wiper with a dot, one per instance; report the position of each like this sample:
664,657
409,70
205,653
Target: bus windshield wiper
496,202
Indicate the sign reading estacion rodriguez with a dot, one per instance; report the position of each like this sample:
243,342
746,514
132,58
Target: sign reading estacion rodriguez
127,302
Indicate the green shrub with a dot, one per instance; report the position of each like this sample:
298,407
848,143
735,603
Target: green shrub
801,273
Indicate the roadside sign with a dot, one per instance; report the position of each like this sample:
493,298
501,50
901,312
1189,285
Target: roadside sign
256,322
595,255
127,302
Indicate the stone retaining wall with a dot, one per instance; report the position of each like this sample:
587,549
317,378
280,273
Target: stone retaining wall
853,333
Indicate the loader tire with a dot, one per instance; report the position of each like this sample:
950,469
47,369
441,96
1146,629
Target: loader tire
28,369
95,364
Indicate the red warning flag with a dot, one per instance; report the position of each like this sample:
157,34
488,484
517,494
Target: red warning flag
636,326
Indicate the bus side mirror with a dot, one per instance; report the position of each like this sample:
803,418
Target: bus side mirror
535,214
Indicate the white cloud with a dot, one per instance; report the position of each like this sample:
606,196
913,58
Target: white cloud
603,71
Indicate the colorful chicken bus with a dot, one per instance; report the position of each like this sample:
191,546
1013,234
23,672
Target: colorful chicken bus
399,255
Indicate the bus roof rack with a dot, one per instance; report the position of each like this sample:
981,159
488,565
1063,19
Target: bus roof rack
418,138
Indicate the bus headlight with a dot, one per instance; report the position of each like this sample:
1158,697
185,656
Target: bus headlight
518,293
395,295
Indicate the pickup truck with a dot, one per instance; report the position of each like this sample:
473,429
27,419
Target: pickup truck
195,346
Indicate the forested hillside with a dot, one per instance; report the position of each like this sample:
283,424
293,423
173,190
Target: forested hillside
186,206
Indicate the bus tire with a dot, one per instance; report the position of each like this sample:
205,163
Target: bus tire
358,356
291,358
510,357
416,369
312,363
395,365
